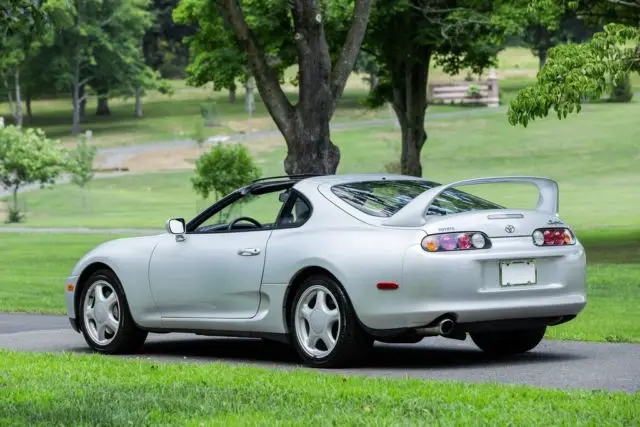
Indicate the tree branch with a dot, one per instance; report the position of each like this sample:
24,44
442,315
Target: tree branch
350,50
625,3
272,94
84,81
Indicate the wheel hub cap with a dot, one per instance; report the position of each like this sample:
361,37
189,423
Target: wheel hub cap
101,311
317,321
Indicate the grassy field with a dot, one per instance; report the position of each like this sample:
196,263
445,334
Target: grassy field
174,117
45,390
593,155
611,314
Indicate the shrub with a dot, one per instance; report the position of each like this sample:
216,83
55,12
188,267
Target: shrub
27,157
223,169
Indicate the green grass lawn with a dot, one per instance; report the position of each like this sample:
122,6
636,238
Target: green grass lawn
34,267
174,117
594,157
46,390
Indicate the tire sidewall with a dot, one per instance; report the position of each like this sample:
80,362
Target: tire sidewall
345,320
125,320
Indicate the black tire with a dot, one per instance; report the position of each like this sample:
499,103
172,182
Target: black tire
129,337
502,343
351,340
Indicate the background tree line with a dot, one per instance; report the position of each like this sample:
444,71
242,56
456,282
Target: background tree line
119,48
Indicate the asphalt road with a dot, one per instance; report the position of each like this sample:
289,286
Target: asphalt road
554,364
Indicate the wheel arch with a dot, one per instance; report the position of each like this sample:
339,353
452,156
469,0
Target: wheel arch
297,280
82,283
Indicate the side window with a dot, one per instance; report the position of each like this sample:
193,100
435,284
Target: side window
296,212
263,209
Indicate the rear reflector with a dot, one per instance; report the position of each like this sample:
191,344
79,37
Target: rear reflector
387,286
553,237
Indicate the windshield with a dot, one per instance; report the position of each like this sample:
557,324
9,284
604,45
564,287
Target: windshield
385,198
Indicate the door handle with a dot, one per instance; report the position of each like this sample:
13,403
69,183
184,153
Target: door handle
249,251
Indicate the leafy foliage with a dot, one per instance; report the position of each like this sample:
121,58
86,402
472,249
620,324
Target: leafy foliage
224,169
575,72
80,162
20,16
27,157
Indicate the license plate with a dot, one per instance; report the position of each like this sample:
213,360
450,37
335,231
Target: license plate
513,273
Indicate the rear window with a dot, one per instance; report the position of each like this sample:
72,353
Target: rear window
385,198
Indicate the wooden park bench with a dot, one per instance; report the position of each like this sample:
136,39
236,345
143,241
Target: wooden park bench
479,92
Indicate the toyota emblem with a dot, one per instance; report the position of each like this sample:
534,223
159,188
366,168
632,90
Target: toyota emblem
509,228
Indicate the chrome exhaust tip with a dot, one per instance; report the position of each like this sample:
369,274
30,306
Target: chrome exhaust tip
444,328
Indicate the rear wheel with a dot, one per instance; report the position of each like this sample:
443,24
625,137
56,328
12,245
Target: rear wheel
508,342
326,333
105,319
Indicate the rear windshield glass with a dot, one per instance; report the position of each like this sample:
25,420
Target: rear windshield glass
385,198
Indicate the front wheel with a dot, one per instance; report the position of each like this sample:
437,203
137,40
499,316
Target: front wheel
326,333
508,342
105,319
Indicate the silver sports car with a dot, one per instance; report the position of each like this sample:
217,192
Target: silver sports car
330,264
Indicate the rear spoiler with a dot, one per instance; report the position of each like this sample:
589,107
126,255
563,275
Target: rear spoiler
413,213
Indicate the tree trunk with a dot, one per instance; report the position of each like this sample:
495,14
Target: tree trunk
409,81
305,127
18,107
27,102
83,101
373,81
76,97
232,94
15,198
542,57
138,92
102,109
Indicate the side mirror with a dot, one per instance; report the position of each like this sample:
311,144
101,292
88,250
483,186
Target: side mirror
176,226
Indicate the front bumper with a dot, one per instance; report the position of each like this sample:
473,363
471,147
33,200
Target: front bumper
69,297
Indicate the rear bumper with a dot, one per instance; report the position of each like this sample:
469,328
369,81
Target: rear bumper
466,287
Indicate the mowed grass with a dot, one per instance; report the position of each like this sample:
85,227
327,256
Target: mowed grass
594,156
174,117
62,389
34,267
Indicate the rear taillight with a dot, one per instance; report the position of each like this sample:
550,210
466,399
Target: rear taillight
448,242
553,237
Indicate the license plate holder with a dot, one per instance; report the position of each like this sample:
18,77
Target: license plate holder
518,273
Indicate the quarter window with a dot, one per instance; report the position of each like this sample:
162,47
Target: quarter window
385,198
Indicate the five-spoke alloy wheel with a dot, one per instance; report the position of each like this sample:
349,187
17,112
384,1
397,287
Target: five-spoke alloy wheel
325,331
105,319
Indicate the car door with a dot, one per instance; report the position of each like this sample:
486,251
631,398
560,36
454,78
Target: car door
214,272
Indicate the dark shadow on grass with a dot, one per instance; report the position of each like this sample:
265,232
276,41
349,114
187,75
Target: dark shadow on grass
382,357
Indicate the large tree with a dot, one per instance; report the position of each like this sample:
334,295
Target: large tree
575,72
95,42
563,26
407,36
322,38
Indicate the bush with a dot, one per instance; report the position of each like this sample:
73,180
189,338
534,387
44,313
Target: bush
223,169
26,157
621,90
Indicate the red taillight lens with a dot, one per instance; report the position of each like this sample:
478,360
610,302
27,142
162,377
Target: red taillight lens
553,237
448,242
464,241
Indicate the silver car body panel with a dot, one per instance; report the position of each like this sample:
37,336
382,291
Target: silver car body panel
204,284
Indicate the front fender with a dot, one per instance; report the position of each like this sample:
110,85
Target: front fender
129,259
